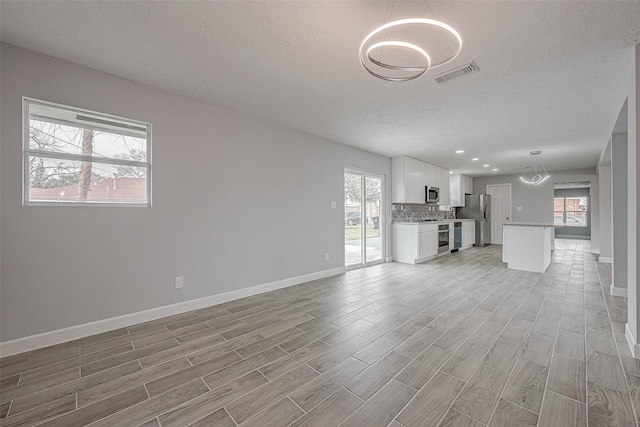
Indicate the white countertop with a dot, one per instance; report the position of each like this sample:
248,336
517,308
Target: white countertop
528,224
419,222
442,221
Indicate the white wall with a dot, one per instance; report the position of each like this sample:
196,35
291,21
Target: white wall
237,202
537,201
630,88
619,211
606,229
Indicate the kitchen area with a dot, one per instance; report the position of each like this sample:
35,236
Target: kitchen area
433,212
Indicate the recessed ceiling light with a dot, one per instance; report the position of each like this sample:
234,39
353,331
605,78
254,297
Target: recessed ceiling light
475,159
450,172
485,166
494,170
459,151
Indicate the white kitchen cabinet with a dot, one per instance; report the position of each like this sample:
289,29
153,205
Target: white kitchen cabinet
459,186
468,233
413,243
427,244
408,181
438,177
409,177
445,194
433,175
467,185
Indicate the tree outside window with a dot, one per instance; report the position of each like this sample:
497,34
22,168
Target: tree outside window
76,156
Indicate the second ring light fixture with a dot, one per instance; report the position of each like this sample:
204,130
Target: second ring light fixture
385,70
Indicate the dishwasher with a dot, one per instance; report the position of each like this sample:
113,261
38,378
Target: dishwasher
457,236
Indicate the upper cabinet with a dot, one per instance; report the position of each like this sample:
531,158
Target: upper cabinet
445,192
409,177
433,175
460,185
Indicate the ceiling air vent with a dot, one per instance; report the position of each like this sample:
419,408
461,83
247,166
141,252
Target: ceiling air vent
469,68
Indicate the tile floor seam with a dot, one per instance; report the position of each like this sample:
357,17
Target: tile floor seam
292,401
19,379
307,364
229,414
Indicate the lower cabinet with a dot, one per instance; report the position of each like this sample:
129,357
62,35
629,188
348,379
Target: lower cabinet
416,242
427,244
413,243
468,233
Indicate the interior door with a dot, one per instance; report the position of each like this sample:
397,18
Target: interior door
363,218
500,209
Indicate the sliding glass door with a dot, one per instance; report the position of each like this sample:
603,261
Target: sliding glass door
363,218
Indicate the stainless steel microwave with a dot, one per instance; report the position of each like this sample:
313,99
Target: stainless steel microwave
432,194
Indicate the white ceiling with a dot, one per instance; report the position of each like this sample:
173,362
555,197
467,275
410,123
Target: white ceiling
549,71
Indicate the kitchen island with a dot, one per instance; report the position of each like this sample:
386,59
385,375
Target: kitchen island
527,246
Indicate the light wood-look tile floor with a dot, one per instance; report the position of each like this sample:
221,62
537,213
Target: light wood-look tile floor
457,341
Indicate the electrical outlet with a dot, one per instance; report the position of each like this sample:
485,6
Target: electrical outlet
333,204
179,282
326,256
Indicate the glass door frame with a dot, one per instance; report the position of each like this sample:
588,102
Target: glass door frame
363,224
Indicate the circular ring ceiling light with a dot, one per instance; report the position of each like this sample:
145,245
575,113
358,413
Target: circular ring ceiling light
367,60
419,70
536,179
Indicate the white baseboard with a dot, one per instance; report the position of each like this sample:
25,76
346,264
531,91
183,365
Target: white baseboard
595,251
388,259
570,236
618,292
58,336
631,340
605,260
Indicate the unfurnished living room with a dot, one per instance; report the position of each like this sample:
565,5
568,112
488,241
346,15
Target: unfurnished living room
386,213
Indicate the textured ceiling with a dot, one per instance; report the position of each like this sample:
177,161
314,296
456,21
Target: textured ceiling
549,71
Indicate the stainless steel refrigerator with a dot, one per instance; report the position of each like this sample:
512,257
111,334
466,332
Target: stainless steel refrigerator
478,207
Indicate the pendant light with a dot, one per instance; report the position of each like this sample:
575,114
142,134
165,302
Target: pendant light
537,178
385,69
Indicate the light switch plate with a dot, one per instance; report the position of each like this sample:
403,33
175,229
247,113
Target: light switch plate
333,204
519,208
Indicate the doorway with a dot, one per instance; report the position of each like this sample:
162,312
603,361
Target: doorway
500,209
363,218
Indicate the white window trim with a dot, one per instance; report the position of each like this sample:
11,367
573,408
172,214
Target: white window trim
26,152
564,213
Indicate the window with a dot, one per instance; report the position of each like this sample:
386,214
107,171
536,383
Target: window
79,157
570,211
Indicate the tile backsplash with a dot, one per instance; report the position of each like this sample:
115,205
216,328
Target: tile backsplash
413,212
